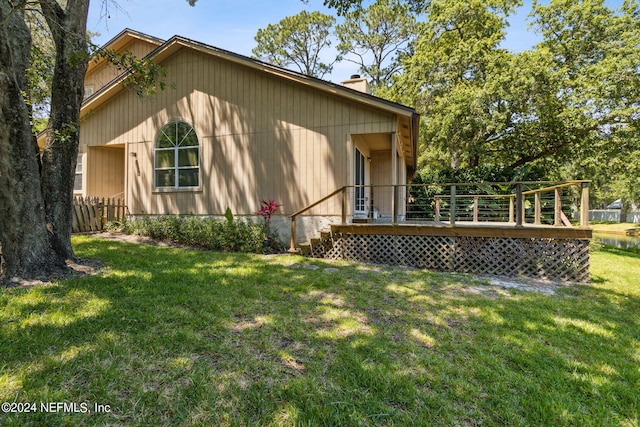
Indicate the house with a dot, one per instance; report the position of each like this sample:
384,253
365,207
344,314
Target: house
231,130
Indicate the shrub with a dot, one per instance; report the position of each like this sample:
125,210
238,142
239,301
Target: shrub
228,235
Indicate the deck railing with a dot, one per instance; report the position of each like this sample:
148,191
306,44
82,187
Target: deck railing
518,203
506,203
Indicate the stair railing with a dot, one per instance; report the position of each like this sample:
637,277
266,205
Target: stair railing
293,217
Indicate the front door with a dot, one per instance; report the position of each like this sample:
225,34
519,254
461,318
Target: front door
359,182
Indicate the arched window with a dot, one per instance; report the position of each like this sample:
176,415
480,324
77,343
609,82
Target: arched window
177,156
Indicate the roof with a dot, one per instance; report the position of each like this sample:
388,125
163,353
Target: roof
120,41
166,48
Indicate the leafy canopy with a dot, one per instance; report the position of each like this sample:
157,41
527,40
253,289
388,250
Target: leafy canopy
299,41
376,38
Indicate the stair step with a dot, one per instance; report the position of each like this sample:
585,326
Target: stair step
305,249
325,234
318,247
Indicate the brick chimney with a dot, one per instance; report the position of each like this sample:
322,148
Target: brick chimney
357,83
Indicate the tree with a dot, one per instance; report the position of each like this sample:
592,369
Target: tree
297,40
36,188
40,72
69,30
592,57
449,78
26,245
343,7
485,105
376,38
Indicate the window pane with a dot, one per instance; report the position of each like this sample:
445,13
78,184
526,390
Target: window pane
164,139
190,140
188,157
165,178
188,178
185,135
165,159
77,183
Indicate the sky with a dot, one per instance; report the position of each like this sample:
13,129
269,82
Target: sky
233,24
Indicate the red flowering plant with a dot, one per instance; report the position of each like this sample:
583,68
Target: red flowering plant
268,209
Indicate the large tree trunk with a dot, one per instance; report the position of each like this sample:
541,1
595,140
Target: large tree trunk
24,238
60,154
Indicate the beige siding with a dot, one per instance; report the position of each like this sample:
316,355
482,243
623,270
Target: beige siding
105,173
261,138
380,175
104,72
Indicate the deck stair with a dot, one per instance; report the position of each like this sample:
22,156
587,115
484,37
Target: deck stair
318,247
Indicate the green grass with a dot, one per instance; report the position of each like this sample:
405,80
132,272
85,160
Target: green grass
169,336
615,227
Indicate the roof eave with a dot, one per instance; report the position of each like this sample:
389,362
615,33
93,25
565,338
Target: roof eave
122,39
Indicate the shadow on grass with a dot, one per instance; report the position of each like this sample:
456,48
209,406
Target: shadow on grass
629,253
177,337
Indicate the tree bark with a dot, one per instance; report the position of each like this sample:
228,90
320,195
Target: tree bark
24,238
60,154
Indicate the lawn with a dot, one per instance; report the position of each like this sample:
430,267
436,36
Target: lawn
616,228
167,336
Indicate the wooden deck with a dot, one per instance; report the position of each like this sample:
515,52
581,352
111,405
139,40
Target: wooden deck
537,251
467,229
524,233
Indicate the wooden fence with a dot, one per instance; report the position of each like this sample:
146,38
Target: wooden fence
91,213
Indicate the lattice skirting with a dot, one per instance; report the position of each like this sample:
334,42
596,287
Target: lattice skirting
555,259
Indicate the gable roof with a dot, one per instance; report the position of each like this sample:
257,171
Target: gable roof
410,122
120,41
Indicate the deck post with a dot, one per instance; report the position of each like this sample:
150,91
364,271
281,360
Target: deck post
511,203
292,247
584,205
452,213
476,201
538,208
394,219
344,205
557,215
519,206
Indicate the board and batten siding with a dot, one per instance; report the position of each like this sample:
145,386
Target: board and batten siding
261,137
105,171
102,73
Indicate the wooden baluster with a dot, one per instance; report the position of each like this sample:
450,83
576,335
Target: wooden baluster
557,217
538,209
519,206
511,208
476,200
394,218
452,210
344,206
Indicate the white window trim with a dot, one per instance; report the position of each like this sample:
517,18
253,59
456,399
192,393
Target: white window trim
176,168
